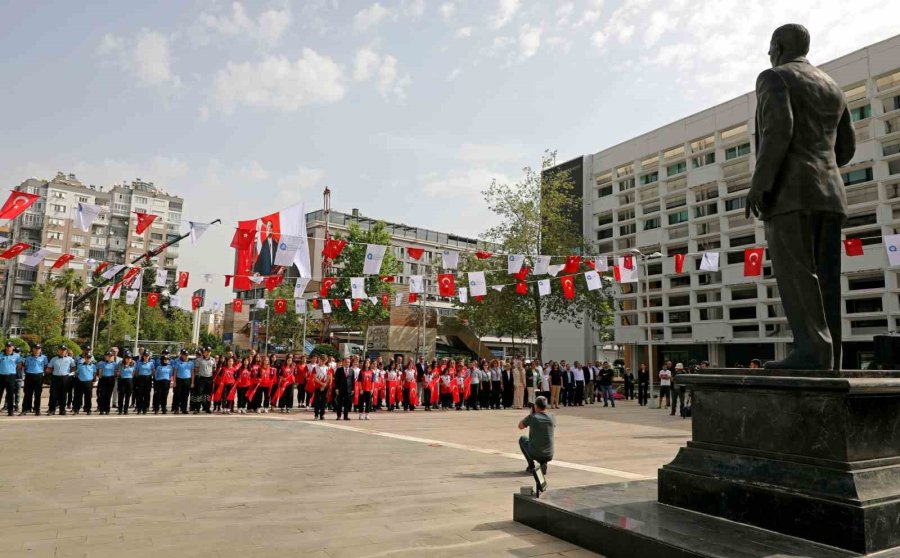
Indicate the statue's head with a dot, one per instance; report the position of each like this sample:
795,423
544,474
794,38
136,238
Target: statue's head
788,42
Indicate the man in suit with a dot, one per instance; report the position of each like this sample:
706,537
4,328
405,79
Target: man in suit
265,260
344,387
803,136
421,370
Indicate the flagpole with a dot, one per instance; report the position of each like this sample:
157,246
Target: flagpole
304,327
137,322
96,312
267,330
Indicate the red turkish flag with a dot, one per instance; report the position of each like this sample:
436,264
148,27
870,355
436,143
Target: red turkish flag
386,278
447,284
679,263
415,253
244,236
335,303
196,301
853,247
152,299
273,281
590,264
628,262
568,286
183,277
16,204
356,304
315,303
280,306
100,268
237,305
228,280
479,298
482,255
62,260
753,260
413,297
523,273
15,250
385,300
572,264
130,275
333,248
327,283
522,288
144,220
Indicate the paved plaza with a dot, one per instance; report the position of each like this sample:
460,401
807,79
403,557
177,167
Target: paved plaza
401,484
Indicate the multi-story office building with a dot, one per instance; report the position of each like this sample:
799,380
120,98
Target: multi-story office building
50,223
681,189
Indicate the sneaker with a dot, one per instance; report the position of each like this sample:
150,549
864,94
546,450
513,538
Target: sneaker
367,417
544,468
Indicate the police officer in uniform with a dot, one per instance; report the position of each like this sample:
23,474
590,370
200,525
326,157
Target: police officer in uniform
9,364
184,380
142,381
125,382
61,367
35,365
107,370
202,393
162,379
85,374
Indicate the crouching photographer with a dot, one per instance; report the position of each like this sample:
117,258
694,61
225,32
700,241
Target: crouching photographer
538,445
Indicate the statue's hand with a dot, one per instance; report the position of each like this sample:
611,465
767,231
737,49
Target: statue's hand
754,203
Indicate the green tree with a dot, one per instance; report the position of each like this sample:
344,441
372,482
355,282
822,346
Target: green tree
211,340
350,263
69,282
51,346
540,215
42,313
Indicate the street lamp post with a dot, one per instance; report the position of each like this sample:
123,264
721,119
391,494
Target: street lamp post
646,260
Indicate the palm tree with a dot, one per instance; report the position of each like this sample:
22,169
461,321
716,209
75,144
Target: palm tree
70,282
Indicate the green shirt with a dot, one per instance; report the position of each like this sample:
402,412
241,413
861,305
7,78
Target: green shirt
540,434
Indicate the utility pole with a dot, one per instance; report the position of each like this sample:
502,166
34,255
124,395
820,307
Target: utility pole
137,321
96,314
326,262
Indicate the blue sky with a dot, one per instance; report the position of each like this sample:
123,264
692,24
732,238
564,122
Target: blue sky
405,108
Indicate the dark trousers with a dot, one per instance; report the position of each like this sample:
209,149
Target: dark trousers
806,253
34,385
484,399
59,387
180,398
319,402
8,385
496,393
406,404
365,402
677,394
578,398
629,390
125,387
161,395
664,392
242,397
343,402
472,402
104,392
530,457
201,394
142,393
84,392
642,393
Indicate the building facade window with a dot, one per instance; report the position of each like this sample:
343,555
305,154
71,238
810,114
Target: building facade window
677,168
703,160
678,217
734,203
737,151
857,176
861,113
649,178
650,224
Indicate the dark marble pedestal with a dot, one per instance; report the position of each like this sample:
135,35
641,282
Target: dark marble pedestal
784,457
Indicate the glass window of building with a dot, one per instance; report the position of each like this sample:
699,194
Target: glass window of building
737,151
735,203
703,160
677,168
703,143
650,224
857,176
861,113
733,133
649,178
888,81
678,217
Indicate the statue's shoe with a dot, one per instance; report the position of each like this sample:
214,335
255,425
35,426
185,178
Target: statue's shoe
793,362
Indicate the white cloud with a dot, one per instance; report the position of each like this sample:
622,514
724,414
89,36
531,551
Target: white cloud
488,153
660,23
447,9
267,28
146,56
370,17
506,9
370,64
529,41
592,13
279,83
464,32
253,172
292,186
454,73
162,171
467,184
563,12
413,8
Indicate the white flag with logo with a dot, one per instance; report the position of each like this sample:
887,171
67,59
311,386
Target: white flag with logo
514,264
112,271
260,303
208,277
892,245
541,263
358,287
349,304
174,301
592,278
326,306
86,214
300,305
373,300
197,230
624,274
544,287
601,264
130,296
710,261
555,269
477,283
35,259
463,295
398,299
137,283
216,305
498,288
374,257
257,279
288,247
450,259
300,287
161,276
416,284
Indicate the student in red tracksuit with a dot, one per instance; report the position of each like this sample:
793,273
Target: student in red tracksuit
310,382
244,381
284,392
267,374
366,382
300,380
223,382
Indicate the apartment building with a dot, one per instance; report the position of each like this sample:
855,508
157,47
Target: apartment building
681,189
49,223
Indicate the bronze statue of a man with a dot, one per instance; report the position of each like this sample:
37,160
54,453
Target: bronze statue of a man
803,136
